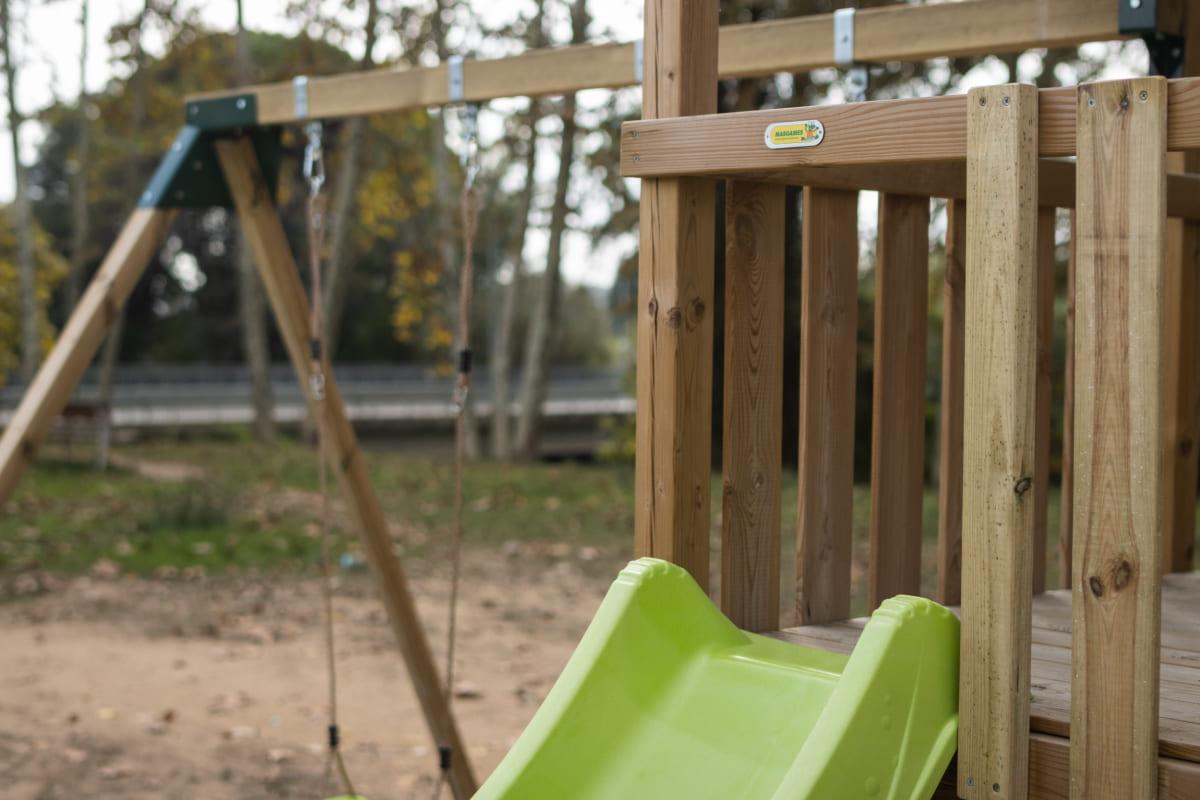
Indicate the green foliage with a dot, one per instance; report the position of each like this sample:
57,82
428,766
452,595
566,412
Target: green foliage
49,270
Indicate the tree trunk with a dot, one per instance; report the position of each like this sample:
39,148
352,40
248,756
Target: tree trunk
79,179
256,345
31,348
338,267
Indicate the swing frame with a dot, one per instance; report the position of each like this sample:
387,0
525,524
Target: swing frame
232,135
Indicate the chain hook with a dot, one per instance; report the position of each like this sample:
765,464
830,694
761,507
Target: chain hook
314,159
469,157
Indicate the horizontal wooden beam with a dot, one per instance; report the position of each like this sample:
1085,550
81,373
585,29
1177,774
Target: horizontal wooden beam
921,130
893,33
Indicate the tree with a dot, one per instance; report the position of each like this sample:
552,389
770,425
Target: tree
79,175
545,319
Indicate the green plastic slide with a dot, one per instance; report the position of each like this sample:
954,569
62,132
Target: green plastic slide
665,698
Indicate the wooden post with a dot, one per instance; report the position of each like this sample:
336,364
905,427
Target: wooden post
828,354
675,301
263,231
754,224
950,436
1066,503
1119,283
1045,353
998,442
97,309
898,405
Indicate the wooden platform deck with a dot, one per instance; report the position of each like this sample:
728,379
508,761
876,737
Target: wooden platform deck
1179,712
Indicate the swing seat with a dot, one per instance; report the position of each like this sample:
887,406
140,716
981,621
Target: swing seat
665,698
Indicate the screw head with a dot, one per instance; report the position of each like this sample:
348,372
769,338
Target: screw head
241,103
1143,95
1005,100
1091,102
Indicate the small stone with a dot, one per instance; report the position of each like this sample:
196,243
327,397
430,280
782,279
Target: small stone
105,569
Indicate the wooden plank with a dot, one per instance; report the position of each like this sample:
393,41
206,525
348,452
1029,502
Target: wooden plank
675,299
1181,373
950,431
264,232
898,396
998,442
1044,390
99,306
800,44
828,355
1066,503
753,429
1118,466
935,130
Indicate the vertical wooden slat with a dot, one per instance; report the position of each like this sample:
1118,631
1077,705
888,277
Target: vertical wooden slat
1045,352
58,376
753,429
998,442
828,349
950,435
1119,282
277,268
898,396
1066,502
675,298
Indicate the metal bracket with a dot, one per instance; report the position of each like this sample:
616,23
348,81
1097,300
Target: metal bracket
189,175
639,61
456,86
1137,16
857,75
223,113
300,96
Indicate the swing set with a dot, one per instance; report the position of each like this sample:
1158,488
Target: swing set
1051,693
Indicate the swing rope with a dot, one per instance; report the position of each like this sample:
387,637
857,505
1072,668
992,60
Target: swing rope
469,211
314,173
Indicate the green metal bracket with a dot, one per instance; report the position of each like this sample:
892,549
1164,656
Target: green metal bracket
223,113
189,176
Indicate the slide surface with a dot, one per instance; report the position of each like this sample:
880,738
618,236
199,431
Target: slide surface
665,698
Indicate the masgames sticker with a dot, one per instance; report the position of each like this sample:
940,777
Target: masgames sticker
805,133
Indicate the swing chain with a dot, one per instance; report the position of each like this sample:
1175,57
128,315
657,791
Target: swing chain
314,158
469,157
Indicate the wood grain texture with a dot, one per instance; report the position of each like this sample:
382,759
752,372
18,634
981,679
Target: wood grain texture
59,374
264,233
1066,503
1045,352
898,397
859,134
753,425
998,442
950,420
828,354
675,302
1118,491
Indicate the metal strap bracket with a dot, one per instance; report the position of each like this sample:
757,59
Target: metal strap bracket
300,96
843,37
639,61
456,85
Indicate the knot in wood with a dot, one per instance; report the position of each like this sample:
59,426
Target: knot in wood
1185,446
1122,574
1096,585
652,307
696,310
674,317
1023,485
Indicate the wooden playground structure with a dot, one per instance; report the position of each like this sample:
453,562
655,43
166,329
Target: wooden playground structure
1120,154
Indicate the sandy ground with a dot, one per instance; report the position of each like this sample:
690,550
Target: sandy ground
116,687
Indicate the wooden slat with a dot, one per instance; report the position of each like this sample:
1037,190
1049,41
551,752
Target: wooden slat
675,300
1118,465
998,441
950,434
1044,389
828,351
934,130
898,396
753,429
1066,503
58,376
897,33
264,233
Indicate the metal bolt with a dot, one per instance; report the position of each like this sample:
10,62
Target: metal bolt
1135,4
1143,95
1005,100
636,157
970,781
241,103
1091,102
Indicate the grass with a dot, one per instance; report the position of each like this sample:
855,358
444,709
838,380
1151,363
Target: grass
255,506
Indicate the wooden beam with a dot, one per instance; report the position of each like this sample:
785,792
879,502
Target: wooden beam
897,33
934,130
1066,502
675,301
828,357
99,307
898,396
1119,285
753,429
950,432
1046,220
264,233
998,443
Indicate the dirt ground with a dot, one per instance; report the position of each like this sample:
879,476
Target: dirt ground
119,687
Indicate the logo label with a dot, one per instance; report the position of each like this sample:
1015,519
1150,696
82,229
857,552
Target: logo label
805,133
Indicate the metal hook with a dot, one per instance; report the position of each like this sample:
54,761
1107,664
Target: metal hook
314,159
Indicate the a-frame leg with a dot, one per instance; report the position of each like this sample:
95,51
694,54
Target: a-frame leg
97,309
276,266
